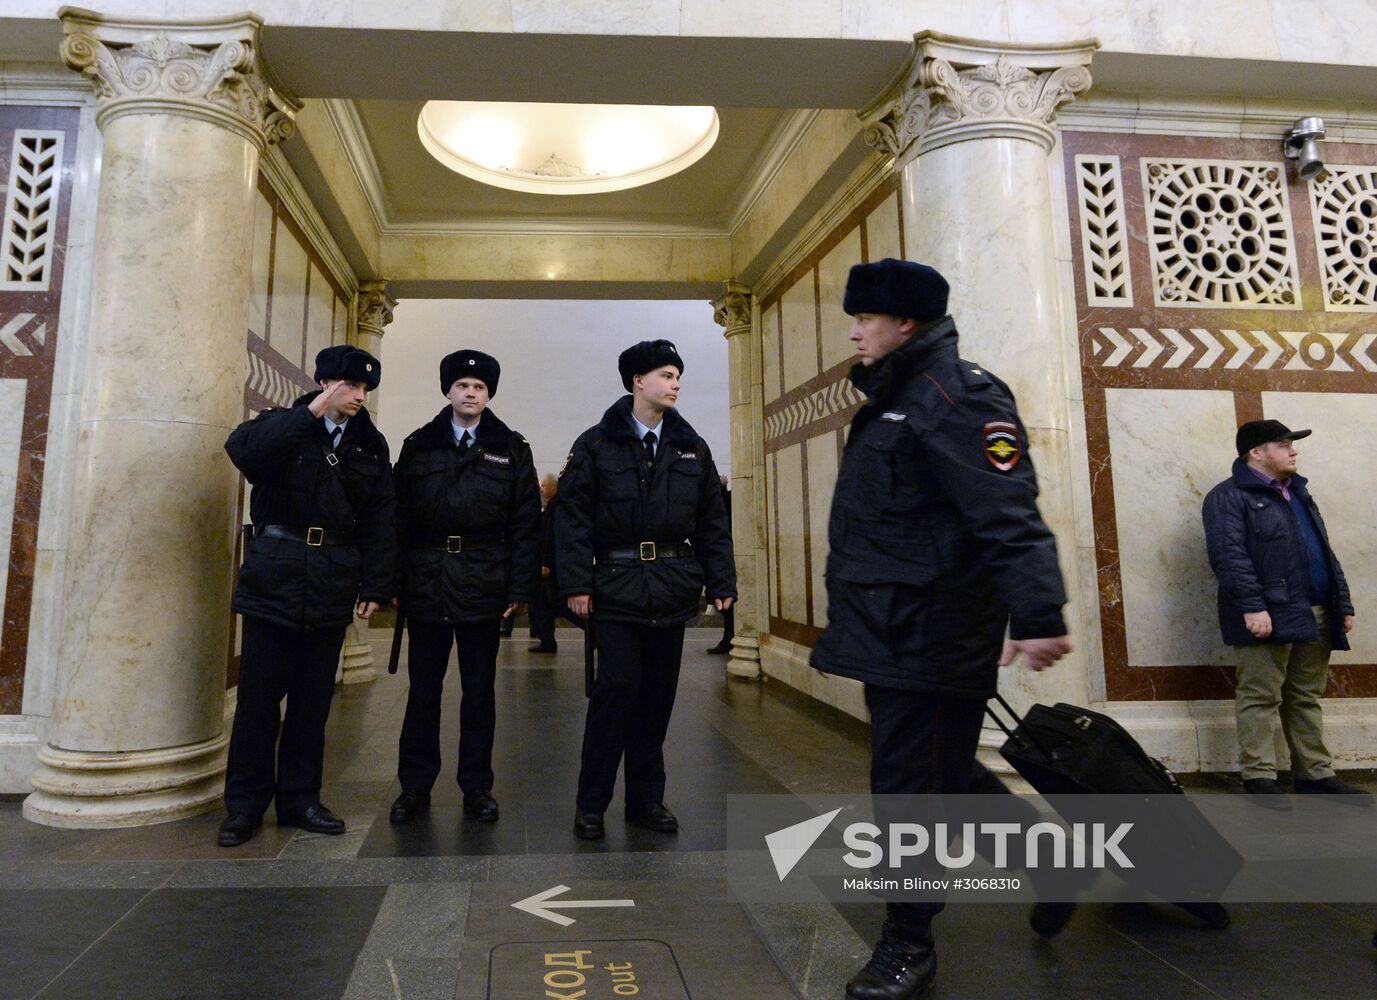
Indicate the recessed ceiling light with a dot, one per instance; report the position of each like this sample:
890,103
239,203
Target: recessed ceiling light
566,148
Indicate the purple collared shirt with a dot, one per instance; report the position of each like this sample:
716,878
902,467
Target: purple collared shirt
1277,484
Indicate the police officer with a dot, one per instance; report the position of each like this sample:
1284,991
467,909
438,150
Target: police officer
936,547
469,517
323,549
640,530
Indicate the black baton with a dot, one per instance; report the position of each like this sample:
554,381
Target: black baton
396,641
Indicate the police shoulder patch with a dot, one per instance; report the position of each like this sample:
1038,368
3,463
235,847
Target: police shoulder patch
1001,444
565,467
499,459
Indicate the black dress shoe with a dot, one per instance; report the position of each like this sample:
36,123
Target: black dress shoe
1267,792
1336,786
720,649
543,647
409,805
236,829
1050,919
654,816
902,966
481,807
588,826
314,819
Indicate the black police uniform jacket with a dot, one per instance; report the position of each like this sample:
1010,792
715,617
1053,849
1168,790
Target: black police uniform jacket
1261,563
282,453
936,540
485,504
609,500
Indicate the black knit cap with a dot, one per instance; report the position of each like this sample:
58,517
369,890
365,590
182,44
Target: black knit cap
352,364
469,364
900,288
646,357
1256,432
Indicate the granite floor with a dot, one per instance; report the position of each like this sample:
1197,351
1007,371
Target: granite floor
424,911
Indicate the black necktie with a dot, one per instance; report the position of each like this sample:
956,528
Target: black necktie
649,441
334,437
464,442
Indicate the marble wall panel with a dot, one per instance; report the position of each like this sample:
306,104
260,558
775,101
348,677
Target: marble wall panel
339,324
822,479
1344,491
773,376
791,535
262,265
799,312
320,308
287,317
884,230
772,553
836,325
1169,447
12,391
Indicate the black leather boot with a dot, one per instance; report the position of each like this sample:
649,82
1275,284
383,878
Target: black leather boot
901,967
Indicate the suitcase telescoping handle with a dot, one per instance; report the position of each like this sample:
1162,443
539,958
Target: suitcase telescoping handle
1026,734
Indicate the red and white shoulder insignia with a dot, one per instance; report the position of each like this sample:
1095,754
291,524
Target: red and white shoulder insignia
1001,444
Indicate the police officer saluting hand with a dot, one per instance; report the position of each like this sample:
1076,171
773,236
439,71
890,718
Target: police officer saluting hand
640,529
469,518
323,549
936,544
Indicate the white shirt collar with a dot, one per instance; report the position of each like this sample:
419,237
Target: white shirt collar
459,432
330,425
642,430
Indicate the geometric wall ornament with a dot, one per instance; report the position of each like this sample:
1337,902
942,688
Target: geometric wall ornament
1343,203
825,402
1104,233
30,219
1232,350
1219,234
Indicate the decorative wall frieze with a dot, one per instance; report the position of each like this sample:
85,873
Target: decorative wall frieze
29,222
208,69
375,307
1343,202
733,310
958,89
1200,349
1104,231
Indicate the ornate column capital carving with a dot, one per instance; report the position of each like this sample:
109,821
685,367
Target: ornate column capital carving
375,306
954,89
733,310
209,68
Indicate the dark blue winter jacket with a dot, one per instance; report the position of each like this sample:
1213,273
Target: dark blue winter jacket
1258,555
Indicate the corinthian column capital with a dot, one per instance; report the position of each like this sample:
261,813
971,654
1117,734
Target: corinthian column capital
375,306
209,68
733,310
956,89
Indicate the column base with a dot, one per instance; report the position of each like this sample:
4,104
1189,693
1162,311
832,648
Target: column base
78,789
744,663
358,657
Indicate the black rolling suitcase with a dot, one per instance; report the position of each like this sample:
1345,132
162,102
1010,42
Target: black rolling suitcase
1067,752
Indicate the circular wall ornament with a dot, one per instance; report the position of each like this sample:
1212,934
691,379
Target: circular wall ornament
566,148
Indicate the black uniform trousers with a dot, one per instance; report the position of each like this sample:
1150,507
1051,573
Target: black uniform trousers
276,662
628,713
418,749
542,618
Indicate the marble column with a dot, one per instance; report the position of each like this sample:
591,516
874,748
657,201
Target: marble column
734,312
137,733
373,309
970,127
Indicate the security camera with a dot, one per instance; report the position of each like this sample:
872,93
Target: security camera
1302,144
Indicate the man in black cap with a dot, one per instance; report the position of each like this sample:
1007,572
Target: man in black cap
640,530
323,549
469,521
936,546
1283,601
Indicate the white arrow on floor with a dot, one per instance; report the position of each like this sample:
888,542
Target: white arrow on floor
540,905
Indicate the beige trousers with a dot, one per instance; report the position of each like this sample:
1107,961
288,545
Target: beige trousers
1283,680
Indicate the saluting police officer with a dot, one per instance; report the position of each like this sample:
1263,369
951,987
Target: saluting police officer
640,530
469,517
936,544
323,549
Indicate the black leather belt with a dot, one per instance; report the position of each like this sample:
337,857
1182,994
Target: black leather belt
647,552
311,536
454,544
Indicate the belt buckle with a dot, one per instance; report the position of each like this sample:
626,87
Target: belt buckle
647,547
454,544
332,459
315,537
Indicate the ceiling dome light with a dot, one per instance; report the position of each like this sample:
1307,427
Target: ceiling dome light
565,148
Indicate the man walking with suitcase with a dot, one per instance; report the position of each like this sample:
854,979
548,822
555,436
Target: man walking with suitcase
936,544
1283,601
